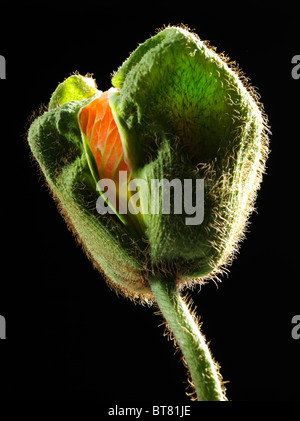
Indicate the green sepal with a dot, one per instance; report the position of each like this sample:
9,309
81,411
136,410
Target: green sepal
74,88
55,139
184,113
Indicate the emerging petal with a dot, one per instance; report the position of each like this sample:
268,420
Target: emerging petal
100,130
99,126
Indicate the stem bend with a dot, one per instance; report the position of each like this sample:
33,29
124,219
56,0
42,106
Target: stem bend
203,369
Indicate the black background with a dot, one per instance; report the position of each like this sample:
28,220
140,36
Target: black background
68,335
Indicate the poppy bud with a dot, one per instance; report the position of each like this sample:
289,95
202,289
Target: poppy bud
158,176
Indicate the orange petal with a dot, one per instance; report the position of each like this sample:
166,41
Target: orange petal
98,124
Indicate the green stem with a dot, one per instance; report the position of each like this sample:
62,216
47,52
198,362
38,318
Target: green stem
203,370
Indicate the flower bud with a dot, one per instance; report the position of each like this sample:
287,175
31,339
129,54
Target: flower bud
183,126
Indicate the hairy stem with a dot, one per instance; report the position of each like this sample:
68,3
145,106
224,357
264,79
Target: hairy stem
203,370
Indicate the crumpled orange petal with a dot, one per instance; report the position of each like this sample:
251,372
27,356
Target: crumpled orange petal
98,125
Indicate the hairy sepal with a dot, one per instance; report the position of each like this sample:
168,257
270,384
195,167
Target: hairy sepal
56,142
184,112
